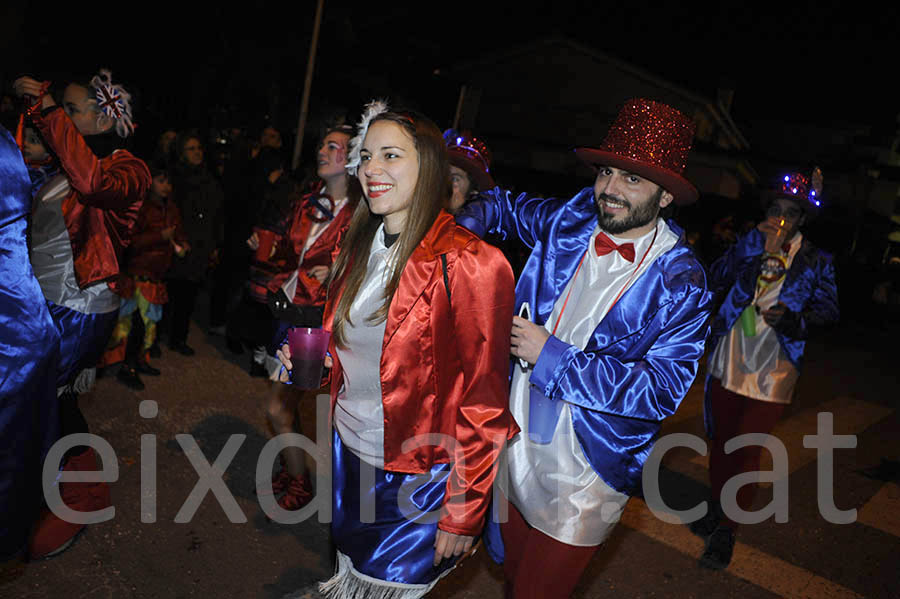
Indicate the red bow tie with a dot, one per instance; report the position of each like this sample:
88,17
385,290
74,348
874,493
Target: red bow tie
604,245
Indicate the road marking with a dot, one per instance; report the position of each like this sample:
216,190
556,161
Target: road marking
882,511
748,563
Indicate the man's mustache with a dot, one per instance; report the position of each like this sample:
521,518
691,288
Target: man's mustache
606,196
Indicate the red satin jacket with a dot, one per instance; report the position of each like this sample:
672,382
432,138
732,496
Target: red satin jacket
150,255
103,202
310,292
445,368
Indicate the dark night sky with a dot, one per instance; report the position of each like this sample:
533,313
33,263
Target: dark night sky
821,62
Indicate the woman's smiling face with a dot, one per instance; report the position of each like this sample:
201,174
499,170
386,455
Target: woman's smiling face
388,171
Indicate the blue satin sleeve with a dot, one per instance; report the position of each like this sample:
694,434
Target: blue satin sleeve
524,217
824,308
810,295
647,385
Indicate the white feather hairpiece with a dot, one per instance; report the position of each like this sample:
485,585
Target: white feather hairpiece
373,109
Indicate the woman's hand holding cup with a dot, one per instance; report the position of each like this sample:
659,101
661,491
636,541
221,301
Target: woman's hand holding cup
283,375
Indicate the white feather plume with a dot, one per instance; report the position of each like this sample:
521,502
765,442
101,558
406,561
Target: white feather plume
122,115
373,109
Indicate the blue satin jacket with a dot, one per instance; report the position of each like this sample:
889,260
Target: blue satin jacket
642,357
809,292
29,354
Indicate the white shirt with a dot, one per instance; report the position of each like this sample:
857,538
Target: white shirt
757,366
554,486
359,414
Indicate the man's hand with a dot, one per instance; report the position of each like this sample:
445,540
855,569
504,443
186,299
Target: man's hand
773,315
527,339
767,227
253,241
447,545
26,86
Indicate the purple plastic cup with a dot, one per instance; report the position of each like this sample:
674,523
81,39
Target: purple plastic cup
543,414
308,347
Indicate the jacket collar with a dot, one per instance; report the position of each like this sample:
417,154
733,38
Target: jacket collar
419,270
439,238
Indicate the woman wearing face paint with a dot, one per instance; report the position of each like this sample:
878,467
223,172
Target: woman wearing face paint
298,263
420,312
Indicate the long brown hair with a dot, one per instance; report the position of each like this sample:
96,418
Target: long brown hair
428,197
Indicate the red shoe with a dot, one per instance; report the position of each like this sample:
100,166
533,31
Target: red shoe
280,483
52,535
280,480
298,494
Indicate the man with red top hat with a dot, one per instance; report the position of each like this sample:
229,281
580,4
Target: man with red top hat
775,285
81,224
613,318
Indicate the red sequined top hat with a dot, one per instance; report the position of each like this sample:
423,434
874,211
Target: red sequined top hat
650,139
472,155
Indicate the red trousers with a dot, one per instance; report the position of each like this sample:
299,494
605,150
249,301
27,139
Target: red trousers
735,415
536,566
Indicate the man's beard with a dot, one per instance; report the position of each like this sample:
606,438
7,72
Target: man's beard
644,214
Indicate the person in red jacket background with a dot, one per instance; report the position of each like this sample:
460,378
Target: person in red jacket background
158,235
81,224
317,222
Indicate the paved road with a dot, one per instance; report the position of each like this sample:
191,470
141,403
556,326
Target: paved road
211,398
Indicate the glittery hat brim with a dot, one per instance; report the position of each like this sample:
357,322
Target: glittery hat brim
681,189
482,180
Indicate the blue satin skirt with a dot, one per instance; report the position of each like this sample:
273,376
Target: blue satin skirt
83,338
391,547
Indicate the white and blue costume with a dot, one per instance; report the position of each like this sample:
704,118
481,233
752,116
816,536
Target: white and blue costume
638,361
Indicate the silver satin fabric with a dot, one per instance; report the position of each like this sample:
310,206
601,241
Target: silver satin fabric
757,366
359,413
51,255
554,486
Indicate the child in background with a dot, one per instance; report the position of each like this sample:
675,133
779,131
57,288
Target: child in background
157,236
42,165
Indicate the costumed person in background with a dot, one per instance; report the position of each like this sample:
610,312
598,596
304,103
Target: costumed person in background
201,202
271,193
156,237
29,412
81,225
775,286
618,310
296,296
470,168
420,312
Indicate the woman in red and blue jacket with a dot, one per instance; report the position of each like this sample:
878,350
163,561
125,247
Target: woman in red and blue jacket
420,312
